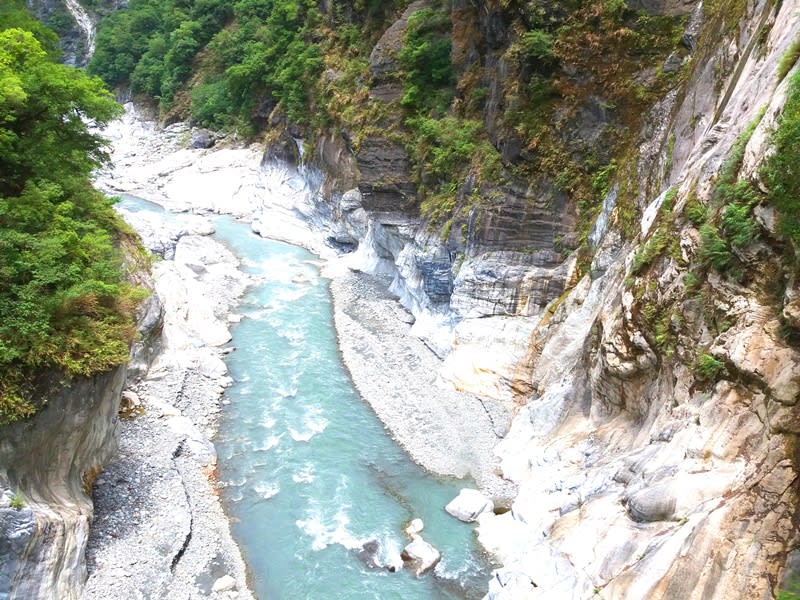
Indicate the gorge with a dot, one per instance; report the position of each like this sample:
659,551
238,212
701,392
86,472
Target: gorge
602,301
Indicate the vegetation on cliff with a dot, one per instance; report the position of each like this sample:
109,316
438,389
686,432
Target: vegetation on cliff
63,299
231,64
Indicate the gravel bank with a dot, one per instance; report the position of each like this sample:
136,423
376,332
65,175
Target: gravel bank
445,431
159,530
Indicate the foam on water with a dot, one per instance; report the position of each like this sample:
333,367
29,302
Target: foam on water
325,528
270,443
267,490
312,428
305,474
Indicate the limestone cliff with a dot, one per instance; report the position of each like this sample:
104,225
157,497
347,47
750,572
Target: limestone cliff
47,468
655,437
50,462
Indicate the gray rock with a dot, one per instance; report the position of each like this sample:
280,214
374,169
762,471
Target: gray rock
224,584
369,554
350,200
49,460
202,139
656,503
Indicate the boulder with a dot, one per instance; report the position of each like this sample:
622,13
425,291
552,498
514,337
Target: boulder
419,556
469,505
656,503
415,527
202,139
350,200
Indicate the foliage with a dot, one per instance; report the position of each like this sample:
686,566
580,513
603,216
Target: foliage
17,502
425,58
788,59
790,589
781,170
538,44
727,223
650,250
443,150
713,250
708,367
691,281
263,49
608,40
696,211
62,297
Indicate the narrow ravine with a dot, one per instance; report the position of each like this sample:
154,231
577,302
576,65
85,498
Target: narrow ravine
310,473
310,477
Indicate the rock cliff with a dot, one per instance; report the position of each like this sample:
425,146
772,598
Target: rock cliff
655,396
48,465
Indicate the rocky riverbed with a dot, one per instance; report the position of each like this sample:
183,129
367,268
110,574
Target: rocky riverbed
159,528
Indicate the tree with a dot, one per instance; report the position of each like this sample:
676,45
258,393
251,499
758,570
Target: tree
63,300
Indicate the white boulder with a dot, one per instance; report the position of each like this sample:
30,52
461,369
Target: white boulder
469,505
419,556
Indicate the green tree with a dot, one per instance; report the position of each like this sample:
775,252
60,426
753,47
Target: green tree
63,299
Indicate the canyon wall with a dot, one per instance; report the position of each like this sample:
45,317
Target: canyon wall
642,471
48,465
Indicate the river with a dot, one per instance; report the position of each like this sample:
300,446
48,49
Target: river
309,474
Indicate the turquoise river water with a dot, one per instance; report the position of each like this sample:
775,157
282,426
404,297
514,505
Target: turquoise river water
309,473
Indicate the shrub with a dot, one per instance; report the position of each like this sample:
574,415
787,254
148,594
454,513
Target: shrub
425,58
649,251
17,502
538,44
713,250
708,367
781,171
63,301
788,59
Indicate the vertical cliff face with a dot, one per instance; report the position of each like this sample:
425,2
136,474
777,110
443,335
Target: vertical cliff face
655,382
49,463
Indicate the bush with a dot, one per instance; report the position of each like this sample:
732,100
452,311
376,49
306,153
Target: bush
781,171
538,44
425,57
212,105
649,251
708,367
63,300
17,502
713,250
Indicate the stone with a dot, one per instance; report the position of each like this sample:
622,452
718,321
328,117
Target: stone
415,527
202,139
369,554
350,200
224,584
469,505
131,398
652,504
420,557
